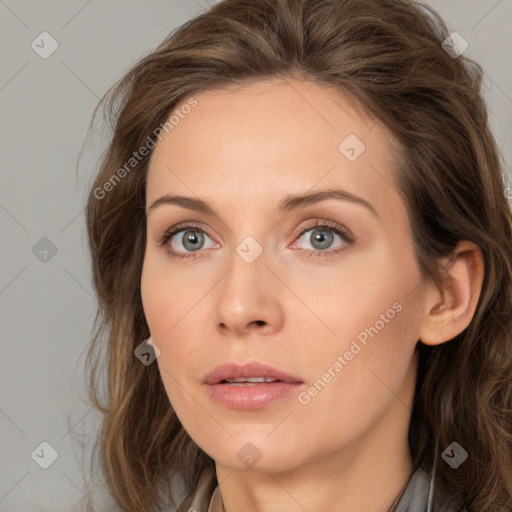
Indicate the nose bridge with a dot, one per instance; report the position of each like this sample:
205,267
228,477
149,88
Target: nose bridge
247,269
246,297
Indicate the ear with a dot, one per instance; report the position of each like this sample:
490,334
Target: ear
449,310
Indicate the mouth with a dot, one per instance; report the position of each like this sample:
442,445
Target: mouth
250,386
248,381
248,373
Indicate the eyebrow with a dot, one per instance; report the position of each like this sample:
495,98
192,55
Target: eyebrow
287,204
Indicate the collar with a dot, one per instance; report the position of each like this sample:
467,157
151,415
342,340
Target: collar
414,499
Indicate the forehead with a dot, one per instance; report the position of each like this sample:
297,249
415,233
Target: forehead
254,143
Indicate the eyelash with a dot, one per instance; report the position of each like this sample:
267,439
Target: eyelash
332,226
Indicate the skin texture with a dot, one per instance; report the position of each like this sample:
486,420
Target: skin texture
242,151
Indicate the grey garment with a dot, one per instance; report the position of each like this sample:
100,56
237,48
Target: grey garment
416,496
414,499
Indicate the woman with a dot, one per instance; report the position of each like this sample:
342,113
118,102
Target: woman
302,247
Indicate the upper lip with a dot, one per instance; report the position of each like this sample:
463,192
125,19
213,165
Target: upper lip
253,369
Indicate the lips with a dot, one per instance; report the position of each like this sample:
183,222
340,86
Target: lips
250,386
236,374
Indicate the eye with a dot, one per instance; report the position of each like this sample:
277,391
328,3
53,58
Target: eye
322,235
186,241
189,238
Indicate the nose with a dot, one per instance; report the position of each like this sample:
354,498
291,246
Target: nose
249,299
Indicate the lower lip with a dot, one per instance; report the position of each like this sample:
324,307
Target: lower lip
255,396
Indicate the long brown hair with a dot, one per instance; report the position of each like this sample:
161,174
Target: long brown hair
387,56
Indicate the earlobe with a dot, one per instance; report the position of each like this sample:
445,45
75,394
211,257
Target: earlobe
449,310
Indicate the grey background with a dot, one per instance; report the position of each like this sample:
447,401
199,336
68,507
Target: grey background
47,307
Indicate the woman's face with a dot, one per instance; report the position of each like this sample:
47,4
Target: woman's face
244,285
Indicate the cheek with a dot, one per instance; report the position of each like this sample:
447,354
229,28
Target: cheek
358,376
169,310
150,291
361,369
166,296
